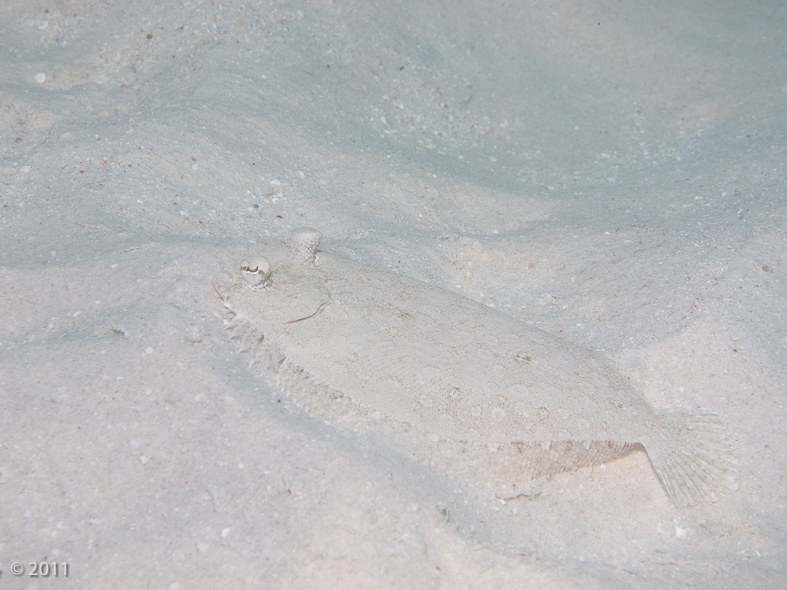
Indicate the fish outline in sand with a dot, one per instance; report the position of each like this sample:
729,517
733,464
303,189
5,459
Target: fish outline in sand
482,396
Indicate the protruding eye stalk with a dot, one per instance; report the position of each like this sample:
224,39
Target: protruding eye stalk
303,244
256,272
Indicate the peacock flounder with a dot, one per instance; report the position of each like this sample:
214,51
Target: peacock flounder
489,400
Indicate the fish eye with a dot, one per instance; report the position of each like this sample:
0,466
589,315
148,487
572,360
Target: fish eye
256,272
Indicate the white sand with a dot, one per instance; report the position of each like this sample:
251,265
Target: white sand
610,171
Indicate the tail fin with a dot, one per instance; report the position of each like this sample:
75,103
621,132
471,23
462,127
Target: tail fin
692,457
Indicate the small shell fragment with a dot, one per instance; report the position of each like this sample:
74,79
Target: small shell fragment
256,272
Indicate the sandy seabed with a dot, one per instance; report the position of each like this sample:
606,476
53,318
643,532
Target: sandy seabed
612,172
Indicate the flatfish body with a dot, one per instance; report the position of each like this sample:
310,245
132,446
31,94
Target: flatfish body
485,398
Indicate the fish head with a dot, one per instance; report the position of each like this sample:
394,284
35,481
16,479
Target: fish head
273,287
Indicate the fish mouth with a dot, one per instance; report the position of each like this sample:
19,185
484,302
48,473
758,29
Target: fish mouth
222,282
